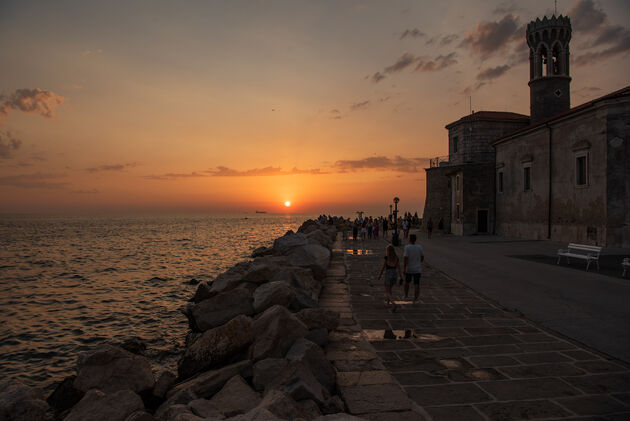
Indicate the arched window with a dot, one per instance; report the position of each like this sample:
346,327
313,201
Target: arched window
557,65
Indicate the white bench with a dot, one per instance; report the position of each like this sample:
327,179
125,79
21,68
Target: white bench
625,265
581,251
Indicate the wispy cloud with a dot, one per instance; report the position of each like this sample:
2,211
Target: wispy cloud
418,63
111,167
492,73
362,105
8,144
412,33
493,37
606,40
33,181
383,163
30,101
222,171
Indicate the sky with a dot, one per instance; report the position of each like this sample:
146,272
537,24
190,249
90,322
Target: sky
237,106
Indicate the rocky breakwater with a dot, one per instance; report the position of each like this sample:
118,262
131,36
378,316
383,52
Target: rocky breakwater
255,352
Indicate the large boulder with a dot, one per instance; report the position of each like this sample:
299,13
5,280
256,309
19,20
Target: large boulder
309,225
205,409
222,308
320,237
216,346
165,381
110,369
281,405
297,380
65,396
204,291
229,279
141,416
316,318
272,293
314,358
210,382
289,241
266,370
312,256
19,402
275,331
98,406
301,278
256,414
235,398
175,401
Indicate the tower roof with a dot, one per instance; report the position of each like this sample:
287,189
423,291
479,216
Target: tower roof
546,22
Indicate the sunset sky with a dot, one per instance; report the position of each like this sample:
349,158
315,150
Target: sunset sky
242,105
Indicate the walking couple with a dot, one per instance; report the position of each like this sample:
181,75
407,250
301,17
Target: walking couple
413,256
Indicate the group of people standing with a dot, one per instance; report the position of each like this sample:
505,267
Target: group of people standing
371,227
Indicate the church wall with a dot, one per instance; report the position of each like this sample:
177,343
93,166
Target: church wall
618,174
521,213
578,213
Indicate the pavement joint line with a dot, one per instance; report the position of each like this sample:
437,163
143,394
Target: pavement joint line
514,337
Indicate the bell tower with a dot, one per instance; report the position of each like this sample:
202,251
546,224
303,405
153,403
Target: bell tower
549,80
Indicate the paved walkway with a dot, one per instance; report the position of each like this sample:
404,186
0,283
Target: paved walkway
458,356
585,306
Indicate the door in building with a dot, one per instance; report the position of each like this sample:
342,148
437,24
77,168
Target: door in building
482,221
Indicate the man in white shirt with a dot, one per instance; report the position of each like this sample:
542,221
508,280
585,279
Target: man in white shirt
412,266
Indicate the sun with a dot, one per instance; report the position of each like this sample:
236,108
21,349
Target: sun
287,203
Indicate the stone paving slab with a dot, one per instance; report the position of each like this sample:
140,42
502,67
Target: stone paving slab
459,356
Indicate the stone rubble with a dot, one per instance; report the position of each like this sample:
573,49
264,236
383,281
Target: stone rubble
255,351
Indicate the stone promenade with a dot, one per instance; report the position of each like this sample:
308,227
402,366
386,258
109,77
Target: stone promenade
456,355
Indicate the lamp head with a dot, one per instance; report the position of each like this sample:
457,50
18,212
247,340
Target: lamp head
396,200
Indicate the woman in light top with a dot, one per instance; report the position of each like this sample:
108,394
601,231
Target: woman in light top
391,267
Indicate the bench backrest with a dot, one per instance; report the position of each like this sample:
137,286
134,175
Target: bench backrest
585,248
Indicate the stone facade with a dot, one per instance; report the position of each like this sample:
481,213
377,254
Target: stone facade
579,188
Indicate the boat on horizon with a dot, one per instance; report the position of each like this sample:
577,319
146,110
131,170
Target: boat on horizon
261,211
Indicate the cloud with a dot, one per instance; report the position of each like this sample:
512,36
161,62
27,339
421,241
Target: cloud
592,21
31,101
260,172
377,77
412,33
33,181
91,191
439,63
493,72
111,167
222,171
448,39
505,8
175,176
490,38
358,106
422,64
585,17
403,62
383,163
8,144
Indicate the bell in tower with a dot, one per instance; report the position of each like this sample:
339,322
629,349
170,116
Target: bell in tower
549,80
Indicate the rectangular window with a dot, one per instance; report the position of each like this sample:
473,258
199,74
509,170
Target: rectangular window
581,170
455,141
500,182
457,183
457,212
527,178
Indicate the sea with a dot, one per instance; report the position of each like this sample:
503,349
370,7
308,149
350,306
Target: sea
68,284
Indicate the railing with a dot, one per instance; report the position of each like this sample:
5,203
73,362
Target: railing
439,161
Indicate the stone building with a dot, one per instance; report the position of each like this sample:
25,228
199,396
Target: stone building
563,174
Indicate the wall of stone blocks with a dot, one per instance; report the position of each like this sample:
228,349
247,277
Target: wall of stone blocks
438,200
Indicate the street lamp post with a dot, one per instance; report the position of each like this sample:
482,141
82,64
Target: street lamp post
395,239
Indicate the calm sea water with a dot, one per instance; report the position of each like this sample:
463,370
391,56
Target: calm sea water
69,283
